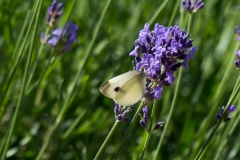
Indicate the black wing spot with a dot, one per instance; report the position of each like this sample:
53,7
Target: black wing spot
116,89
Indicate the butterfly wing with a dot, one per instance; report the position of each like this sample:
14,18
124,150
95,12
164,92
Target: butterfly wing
111,87
131,91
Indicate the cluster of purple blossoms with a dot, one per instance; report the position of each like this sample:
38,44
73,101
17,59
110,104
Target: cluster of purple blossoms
120,114
163,51
54,12
66,37
144,121
226,117
61,39
192,6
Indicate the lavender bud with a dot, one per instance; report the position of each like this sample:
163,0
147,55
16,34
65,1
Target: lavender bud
158,125
54,12
143,124
192,8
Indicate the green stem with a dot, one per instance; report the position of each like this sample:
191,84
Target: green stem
43,75
145,145
234,94
106,140
73,125
14,62
189,22
129,127
37,58
149,129
154,17
224,139
47,139
24,81
174,13
170,113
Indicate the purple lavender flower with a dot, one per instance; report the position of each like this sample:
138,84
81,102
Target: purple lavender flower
192,6
226,117
158,125
68,36
44,38
144,121
54,12
237,31
163,51
237,62
120,114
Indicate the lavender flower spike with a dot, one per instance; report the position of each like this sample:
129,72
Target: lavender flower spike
237,62
54,12
144,121
68,36
226,117
192,7
160,53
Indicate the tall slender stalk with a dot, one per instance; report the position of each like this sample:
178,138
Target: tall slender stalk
128,129
170,114
24,81
159,10
16,58
149,129
106,140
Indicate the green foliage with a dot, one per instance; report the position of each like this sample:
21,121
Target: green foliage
61,98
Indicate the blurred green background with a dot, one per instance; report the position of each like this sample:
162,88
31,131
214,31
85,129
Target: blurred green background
90,116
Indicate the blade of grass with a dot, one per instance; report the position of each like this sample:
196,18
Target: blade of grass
24,81
16,58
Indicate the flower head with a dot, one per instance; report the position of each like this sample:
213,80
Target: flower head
68,36
160,53
226,117
237,62
192,6
120,114
54,12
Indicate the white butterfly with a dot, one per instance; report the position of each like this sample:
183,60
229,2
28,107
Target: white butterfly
125,89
